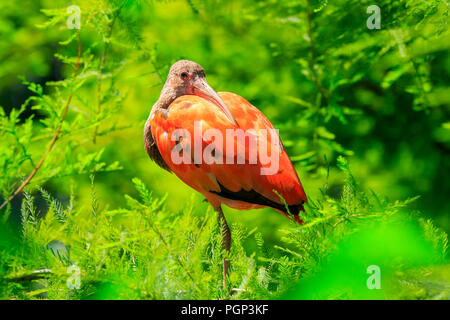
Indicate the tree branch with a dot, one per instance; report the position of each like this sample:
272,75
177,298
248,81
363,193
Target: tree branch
146,215
55,135
312,60
100,74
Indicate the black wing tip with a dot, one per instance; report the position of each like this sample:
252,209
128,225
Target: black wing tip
294,208
256,198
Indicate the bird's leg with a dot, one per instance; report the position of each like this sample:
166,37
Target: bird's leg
226,243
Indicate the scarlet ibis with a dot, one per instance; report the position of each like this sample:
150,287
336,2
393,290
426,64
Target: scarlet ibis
191,121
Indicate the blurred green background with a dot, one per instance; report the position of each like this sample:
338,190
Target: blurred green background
327,82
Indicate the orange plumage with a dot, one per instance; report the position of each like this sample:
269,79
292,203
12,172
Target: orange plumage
245,187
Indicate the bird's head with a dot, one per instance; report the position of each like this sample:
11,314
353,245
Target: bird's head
188,78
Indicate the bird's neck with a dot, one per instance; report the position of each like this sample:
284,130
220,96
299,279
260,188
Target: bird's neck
168,95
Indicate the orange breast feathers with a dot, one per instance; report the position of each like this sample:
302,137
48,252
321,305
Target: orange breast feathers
224,161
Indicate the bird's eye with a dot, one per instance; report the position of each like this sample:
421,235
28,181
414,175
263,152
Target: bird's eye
184,75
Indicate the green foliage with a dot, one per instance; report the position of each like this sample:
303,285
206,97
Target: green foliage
144,251
337,91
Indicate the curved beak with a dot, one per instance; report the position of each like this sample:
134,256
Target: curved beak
202,89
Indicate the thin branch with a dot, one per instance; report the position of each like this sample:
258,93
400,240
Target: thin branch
160,235
102,65
352,216
55,136
100,74
312,60
33,275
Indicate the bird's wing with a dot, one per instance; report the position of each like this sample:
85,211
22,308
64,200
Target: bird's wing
151,147
234,181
